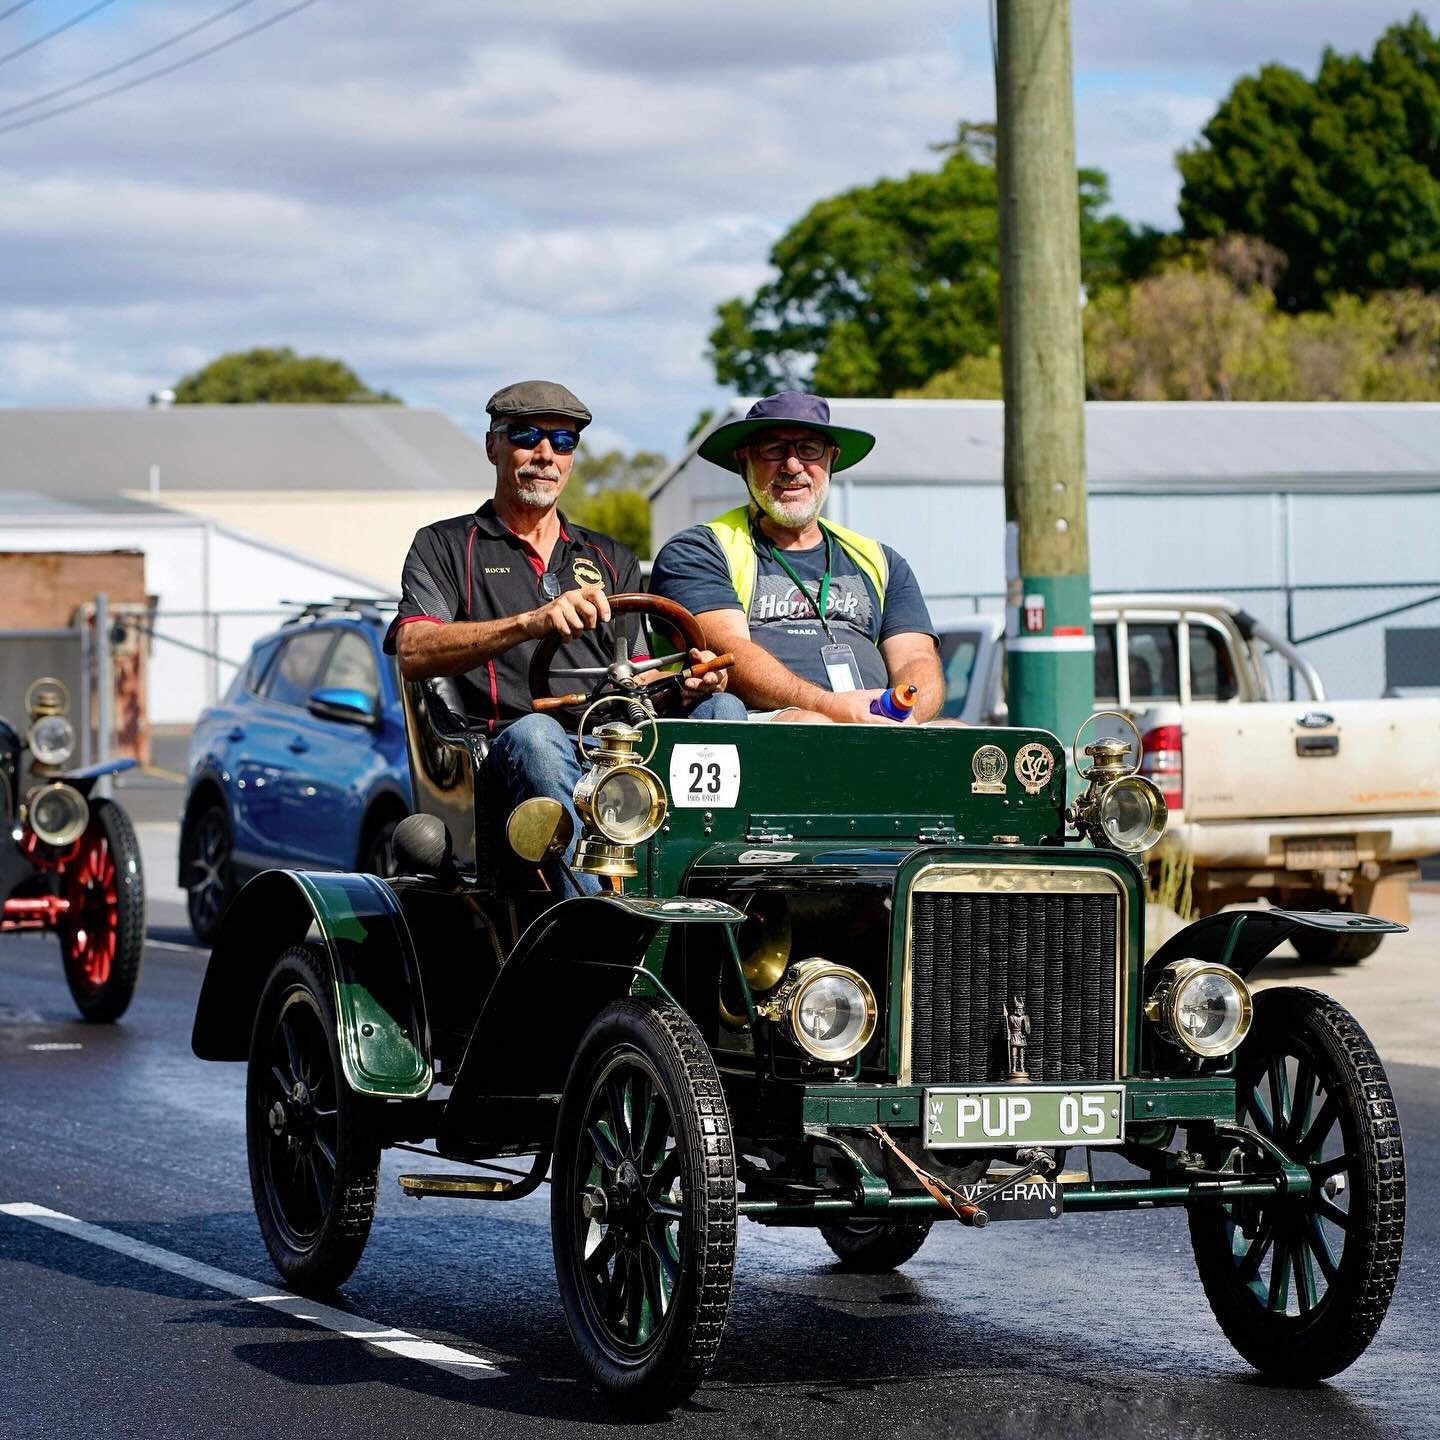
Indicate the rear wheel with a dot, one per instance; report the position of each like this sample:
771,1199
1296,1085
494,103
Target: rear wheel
642,1200
314,1159
211,882
871,1247
1322,947
102,935
1300,1284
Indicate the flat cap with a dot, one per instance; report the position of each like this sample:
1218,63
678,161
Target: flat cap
536,397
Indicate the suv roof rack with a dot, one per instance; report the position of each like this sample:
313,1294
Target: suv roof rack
366,607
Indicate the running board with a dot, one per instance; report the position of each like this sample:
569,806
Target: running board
462,1187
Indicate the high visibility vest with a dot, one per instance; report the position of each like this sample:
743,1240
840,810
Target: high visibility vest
732,530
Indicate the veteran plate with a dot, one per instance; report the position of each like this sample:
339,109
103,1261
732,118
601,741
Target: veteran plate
986,1117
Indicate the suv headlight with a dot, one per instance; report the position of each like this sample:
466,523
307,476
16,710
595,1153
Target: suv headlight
1203,1008
51,740
831,1009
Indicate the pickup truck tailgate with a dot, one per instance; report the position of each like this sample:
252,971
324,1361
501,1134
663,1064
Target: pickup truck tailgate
1333,758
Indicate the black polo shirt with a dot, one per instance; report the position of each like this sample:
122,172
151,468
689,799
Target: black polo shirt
475,567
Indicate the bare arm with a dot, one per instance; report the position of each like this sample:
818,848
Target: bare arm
460,645
912,659
763,683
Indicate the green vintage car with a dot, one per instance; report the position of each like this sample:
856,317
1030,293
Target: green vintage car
862,979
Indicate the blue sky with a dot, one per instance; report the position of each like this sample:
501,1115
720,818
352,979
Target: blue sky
452,196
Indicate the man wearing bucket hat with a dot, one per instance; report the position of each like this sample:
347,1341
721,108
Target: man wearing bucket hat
480,591
821,620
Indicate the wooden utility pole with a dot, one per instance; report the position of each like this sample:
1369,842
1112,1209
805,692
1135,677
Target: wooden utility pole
1047,560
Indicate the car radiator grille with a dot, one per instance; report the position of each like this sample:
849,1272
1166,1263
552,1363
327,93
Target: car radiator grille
969,954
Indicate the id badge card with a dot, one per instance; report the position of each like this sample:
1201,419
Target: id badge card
841,667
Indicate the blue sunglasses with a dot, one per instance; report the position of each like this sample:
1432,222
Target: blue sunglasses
527,437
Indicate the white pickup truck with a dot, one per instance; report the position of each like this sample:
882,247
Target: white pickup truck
1306,802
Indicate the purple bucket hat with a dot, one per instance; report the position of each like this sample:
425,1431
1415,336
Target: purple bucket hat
789,407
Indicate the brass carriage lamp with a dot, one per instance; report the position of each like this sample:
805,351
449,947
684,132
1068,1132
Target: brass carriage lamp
620,803
1119,808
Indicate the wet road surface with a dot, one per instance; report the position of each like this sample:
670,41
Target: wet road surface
1091,1326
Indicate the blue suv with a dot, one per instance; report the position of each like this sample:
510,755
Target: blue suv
301,766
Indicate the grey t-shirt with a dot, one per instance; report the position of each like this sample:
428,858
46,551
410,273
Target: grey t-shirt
691,569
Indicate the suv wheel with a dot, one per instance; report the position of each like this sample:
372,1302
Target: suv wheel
211,881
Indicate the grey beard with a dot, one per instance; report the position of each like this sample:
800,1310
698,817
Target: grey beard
531,494
791,519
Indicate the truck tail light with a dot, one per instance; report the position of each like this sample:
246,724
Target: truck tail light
1162,761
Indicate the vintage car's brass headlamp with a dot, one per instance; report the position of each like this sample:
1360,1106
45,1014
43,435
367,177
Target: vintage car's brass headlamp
1201,1007
52,736
58,813
1119,808
830,1009
620,803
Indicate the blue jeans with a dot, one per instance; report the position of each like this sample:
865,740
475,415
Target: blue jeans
534,756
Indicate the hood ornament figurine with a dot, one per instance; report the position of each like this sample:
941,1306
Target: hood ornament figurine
1017,1034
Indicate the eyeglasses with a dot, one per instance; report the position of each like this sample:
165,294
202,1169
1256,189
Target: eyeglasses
527,437
807,450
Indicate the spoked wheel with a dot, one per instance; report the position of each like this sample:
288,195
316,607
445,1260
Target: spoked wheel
643,1204
207,891
314,1160
102,935
1301,1284
872,1247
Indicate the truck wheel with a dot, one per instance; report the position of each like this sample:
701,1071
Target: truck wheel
1320,947
102,936
314,1159
1300,1285
642,1204
871,1247
213,877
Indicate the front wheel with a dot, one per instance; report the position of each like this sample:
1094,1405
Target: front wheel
102,935
642,1204
1300,1284
314,1159
873,1247
212,881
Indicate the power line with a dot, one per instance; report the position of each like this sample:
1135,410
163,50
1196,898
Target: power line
6,14
157,74
51,34
123,64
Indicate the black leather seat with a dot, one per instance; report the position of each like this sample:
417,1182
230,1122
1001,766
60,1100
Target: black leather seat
447,760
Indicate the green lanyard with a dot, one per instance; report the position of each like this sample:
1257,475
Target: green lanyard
822,604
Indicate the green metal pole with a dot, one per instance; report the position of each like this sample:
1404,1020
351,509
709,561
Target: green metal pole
1050,644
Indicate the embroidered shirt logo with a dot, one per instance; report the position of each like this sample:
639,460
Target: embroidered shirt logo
586,572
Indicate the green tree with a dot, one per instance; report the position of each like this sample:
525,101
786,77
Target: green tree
607,493
277,377
880,288
1341,173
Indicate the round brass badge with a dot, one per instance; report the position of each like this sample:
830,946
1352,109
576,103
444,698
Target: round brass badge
1034,765
989,767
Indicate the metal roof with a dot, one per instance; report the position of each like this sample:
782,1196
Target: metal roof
91,456
1197,447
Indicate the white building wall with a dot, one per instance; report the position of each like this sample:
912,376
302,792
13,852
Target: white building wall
216,589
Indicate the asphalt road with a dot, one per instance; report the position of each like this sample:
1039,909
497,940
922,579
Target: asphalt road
1094,1325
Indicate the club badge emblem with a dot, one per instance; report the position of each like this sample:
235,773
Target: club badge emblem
586,572
989,767
1034,765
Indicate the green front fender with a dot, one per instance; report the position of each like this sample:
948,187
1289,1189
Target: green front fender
383,1033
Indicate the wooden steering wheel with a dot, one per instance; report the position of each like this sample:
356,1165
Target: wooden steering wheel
620,675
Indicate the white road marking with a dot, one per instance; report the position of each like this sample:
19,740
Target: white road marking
352,1327
175,945
58,1045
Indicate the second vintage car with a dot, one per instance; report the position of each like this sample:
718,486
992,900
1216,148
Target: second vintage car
861,979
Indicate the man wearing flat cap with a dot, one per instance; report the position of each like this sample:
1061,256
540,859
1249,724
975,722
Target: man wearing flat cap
479,592
822,620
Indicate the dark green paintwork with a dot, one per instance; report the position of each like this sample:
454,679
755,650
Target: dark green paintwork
378,994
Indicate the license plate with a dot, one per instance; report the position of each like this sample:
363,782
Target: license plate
1037,1198
989,1116
1320,855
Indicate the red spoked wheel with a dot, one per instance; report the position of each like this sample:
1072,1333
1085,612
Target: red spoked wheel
102,935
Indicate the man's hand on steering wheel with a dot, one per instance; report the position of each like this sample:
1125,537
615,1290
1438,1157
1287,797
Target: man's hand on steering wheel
569,614
665,692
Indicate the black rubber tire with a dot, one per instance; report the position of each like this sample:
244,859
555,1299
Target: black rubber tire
872,1247
314,1216
1320,947
107,1001
377,849
1329,1331
209,845
652,1051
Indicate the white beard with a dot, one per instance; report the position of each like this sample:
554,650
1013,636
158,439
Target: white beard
795,514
